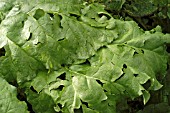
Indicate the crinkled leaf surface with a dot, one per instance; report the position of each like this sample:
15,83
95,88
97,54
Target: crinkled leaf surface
70,56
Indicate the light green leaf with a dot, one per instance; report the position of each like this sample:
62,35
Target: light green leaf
67,55
69,100
88,89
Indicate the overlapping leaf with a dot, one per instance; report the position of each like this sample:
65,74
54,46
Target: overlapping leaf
77,56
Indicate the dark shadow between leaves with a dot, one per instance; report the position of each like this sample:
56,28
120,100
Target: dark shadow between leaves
80,110
22,96
147,84
32,89
2,51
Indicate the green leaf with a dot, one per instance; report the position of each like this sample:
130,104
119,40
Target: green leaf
41,102
69,100
88,89
140,8
8,99
69,56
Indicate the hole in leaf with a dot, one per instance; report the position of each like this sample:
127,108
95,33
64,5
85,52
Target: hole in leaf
124,66
142,51
74,15
85,103
2,52
32,89
61,39
38,43
60,18
103,47
135,53
38,14
60,87
100,82
22,22
29,37
135,75
120,77
105,90
86,62
63,65
51,15
62,76
102,14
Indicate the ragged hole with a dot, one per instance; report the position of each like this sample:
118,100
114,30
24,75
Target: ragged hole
75,16
135,53
98,81
62,76
61,39
124,66
86,62
85,103
51,15
102,14
60,18
60,87
29,37
135,75
142,51
120,77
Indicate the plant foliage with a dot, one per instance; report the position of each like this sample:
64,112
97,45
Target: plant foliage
70,56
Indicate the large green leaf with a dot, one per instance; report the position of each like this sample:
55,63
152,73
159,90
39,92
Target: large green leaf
69,56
